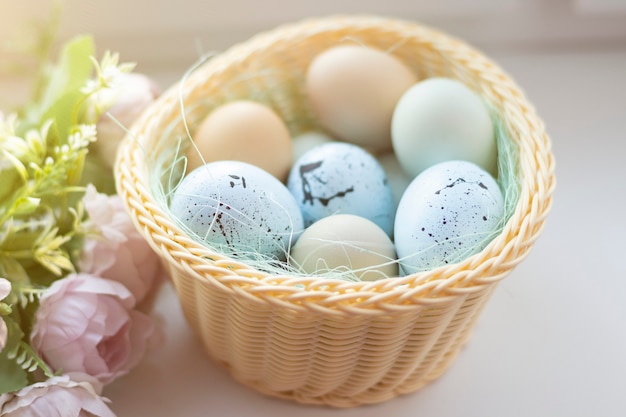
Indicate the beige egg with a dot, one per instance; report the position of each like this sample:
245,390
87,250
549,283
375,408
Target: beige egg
307,141
353,91
345,244
243,131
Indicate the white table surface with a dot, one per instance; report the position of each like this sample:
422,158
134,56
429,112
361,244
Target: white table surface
552,340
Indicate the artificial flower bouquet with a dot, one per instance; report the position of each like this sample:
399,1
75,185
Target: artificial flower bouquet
77,281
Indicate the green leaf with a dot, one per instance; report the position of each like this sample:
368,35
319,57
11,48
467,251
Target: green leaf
5,309
63,112
71,73
10,182
12,376
75,171
13,270
96,172
26,205
17,164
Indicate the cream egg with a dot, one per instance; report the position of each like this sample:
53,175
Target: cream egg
353,91
244,131
304,142
441,119
345,245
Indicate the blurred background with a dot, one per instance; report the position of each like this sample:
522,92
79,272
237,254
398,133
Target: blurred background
551,341
165,37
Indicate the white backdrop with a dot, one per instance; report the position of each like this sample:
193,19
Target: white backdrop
168,32
552,340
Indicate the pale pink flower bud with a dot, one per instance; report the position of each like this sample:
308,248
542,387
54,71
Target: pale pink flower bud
116,250
131,93
86,324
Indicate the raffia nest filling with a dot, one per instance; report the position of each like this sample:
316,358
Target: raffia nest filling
310,339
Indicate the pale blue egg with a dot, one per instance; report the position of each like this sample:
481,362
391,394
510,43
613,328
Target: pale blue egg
450,211
239,208
339,177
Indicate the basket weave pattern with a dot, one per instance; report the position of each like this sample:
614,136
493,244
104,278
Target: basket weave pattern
318,340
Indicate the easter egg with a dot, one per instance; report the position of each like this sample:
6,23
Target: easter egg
450,211
345,245
441,119
339,177
238,208
353,91
244,131
397,178
304,142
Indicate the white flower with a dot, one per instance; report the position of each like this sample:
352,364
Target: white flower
108,70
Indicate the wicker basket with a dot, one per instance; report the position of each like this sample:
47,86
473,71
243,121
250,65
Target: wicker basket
316,340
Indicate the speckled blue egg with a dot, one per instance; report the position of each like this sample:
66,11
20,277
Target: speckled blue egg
447,213
339,177
238,208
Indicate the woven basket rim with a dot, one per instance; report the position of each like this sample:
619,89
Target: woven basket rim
437,285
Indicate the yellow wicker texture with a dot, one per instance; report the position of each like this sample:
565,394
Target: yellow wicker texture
325,341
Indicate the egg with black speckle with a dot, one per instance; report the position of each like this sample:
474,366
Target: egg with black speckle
239,208
450,211
341,178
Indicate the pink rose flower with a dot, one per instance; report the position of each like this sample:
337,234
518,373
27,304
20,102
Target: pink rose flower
87,324
58,396
116,250
5,289
130,93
